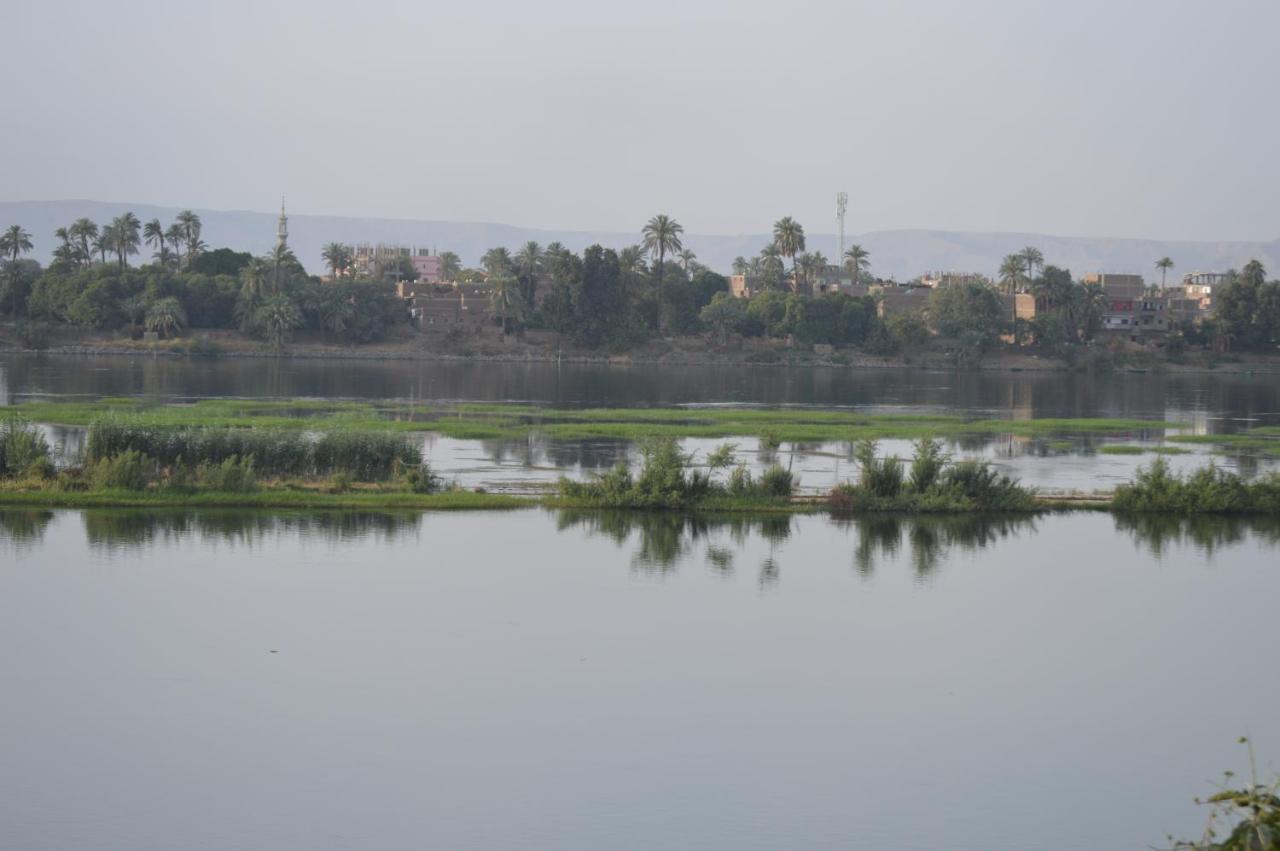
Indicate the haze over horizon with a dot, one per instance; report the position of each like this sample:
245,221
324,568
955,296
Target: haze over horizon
1142,120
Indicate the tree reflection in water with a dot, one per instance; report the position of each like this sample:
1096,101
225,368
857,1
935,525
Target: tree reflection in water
1157,533
24,528
125,529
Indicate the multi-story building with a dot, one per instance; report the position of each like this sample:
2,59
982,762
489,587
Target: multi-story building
1200,286
383,260
1130,309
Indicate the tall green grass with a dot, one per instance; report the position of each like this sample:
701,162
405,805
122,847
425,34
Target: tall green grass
368,456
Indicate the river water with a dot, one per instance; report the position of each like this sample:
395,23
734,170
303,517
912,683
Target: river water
535,679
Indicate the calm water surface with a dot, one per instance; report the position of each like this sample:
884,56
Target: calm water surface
535,680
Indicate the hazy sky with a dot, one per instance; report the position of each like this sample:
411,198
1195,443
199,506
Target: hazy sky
1150,118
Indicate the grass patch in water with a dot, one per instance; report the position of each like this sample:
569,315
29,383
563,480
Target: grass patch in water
494,421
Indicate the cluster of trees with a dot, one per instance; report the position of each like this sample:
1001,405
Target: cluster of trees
1246,310
186,286
789,242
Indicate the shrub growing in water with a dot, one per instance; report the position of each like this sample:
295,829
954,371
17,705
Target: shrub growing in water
23,449
1206,491
234,475
366,456
129,471
933,485
665,481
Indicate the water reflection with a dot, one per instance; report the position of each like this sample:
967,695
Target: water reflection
1158,533
929,540
24,528
111,530
664,540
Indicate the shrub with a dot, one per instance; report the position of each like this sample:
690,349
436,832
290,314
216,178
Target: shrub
933,486
880,477
1206,491
234,475
665,481
129,470
366,456
777,481
23,448
927,465
418,478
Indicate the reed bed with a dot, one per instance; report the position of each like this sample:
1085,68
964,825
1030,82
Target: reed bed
367,456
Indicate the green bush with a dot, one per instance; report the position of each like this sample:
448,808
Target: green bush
933,486
129,470
234,475
365,456
23,449
881,477
665,480
418,478
1206,491
777,481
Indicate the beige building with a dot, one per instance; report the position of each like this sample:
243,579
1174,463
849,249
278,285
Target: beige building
948,279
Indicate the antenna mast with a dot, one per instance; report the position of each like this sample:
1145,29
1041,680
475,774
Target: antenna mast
842,204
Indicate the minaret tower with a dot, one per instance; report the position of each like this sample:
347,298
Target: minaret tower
282,229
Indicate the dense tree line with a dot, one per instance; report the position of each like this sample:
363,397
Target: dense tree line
187,286
600,298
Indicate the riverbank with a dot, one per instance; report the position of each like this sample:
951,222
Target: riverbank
676,351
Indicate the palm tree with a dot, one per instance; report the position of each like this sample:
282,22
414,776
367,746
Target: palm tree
1032,258
662,237
1093,304
15,242
338,257
632,268
450,266
66,250
177,237
190,224
505,300
771,268
496,262
126,229
166,317
1164,264
1012,270
740,265
857,260
686,258
104,242
277,316
153,233
788,235
528,261
84,232
253,279
281,257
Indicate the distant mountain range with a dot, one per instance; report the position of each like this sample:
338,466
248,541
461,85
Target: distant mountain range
901,254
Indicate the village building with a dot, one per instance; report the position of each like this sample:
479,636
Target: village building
948,279
1130,310
444,307
380,260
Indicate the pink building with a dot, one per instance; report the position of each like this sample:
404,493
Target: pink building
430,267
